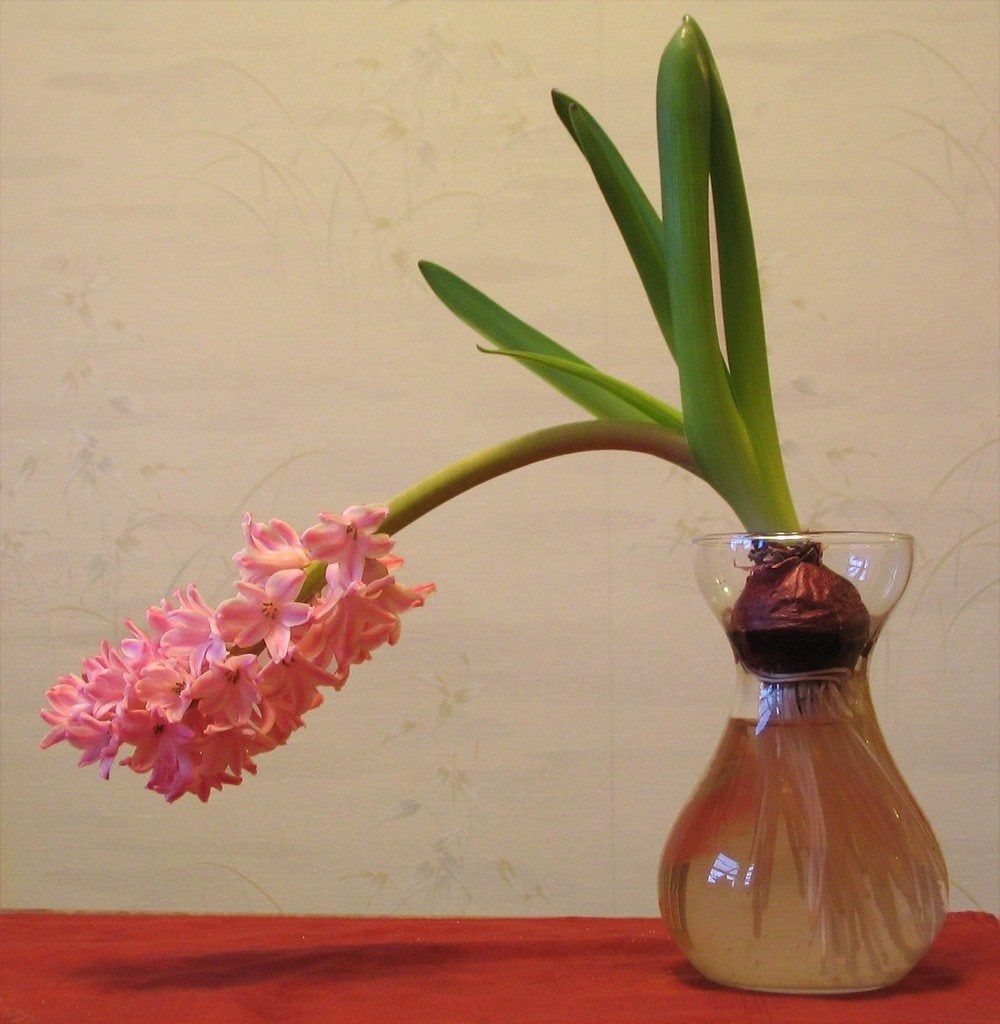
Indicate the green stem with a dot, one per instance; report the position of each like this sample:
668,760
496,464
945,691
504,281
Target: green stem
461,476
590,435
314,582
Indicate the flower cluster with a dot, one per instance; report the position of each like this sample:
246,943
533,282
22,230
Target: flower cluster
208,689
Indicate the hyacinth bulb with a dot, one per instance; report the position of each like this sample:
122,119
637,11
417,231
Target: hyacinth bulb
795,614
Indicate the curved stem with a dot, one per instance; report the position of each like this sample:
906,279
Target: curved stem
461,476
590,435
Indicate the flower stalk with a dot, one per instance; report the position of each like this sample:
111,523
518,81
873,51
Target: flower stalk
548,443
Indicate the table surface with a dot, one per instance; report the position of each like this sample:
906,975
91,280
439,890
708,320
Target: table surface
136,968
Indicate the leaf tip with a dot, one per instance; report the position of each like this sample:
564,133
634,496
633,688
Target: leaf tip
565,105
687,32
430,271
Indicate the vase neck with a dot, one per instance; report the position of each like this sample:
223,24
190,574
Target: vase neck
810,698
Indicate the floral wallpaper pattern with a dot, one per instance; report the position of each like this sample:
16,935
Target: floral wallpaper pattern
212,215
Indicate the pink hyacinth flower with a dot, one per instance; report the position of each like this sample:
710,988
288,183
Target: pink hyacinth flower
162,748
289,688
225,756
345,609
67,702
265,613
269,548
354,617
191,634
227,692
164,686
138,650
158,618
98,741
69,715
349,539
107,679
197,698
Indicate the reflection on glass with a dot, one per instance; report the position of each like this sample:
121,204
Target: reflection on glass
724,869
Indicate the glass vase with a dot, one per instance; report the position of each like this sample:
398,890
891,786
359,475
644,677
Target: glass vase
801,862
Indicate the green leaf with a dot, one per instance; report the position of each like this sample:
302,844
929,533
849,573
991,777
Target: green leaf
715,430
504,329
634,214
742,310
641,400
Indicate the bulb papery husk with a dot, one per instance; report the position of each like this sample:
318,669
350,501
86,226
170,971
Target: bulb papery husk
795,615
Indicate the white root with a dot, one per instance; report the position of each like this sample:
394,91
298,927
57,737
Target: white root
826,775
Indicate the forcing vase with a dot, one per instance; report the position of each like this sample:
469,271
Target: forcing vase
801,862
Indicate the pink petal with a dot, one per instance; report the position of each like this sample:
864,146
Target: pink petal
283,586
253,633
294,614
366,517
277,640
235,615
251,591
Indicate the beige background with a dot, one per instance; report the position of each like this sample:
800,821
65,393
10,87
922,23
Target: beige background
211,217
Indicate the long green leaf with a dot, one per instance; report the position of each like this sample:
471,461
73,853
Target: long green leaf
641,400
504,329
634,214
742,309
715,431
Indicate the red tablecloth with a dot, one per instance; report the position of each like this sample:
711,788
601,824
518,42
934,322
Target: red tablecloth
114,968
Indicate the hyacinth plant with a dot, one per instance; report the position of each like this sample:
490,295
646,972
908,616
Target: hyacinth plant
193,699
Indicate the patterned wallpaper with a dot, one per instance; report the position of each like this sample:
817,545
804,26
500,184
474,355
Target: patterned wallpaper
211,218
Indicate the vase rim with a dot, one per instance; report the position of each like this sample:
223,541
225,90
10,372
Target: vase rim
825,536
